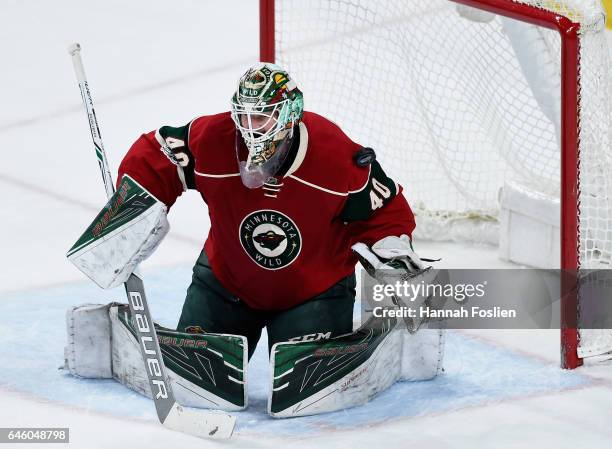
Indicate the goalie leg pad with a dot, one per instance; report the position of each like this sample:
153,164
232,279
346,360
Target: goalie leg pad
422,353
204,370
88,351
316,377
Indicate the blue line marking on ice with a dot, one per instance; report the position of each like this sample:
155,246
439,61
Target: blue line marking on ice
33,335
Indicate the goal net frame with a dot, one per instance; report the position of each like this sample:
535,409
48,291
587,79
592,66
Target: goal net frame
568,31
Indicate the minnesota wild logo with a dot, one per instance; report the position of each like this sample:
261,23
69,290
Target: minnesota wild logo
256,80
270,238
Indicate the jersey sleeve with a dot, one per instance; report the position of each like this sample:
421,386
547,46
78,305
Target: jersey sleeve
151,167
377,209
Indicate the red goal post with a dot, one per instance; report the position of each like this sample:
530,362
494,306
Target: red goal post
570,57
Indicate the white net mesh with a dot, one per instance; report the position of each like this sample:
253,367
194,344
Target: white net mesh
456,102
595,218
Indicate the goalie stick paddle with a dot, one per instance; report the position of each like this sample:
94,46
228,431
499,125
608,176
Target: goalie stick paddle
197,422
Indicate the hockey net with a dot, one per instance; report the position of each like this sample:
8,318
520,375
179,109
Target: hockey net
457,101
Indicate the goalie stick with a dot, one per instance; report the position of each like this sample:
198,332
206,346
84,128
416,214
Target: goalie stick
201,423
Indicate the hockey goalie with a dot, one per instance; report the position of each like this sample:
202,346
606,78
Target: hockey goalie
294,204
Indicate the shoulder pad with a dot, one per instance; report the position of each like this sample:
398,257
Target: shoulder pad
378,191
174,142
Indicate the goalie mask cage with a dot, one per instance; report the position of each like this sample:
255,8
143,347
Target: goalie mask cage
459,97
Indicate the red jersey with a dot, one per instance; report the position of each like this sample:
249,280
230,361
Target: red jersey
276,246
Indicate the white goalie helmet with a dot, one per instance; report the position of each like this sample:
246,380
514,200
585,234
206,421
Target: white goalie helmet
266,107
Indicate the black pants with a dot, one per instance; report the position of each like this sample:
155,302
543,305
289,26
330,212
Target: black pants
211,307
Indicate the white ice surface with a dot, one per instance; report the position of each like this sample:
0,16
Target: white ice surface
160,62
481,373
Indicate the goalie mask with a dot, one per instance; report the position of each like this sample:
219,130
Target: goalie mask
266,107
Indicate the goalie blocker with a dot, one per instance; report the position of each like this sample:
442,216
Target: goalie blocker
127,231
